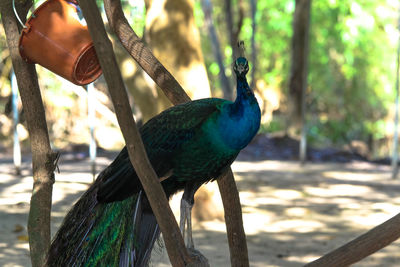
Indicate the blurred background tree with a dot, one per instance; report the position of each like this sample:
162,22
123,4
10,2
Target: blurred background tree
351,74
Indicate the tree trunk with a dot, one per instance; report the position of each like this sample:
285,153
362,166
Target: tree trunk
253,4
43,159
298,72
174,39
233,31
225,84
143,91
395,156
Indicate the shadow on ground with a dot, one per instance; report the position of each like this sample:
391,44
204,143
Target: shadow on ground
292,214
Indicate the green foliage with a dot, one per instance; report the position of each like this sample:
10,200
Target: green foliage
135,12
273,126
352,60
273,37
351,67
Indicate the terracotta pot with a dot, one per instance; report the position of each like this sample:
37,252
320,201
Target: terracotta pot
56,38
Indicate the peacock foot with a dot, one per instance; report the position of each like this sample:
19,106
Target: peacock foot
198,259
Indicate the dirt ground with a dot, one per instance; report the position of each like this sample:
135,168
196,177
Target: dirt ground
292,214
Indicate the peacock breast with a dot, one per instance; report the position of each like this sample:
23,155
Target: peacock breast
235,130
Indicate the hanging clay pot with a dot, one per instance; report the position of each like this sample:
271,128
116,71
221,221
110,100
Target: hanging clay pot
56,37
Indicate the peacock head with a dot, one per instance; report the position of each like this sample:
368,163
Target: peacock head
241,67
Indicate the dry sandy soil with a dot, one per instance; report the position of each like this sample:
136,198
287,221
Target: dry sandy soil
292,214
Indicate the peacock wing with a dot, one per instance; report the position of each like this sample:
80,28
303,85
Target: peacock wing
166,133
162,136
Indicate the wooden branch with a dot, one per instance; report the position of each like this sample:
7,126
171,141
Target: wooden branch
233,220
42,156
363,246
145,58
142,54
154,192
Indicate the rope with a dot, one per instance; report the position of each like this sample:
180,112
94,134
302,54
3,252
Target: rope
16,14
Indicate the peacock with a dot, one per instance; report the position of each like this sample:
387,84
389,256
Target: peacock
112,224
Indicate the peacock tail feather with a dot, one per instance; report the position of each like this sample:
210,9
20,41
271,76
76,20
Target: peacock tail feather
104,234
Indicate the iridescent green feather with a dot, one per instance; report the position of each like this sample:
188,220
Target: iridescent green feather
96,238
113,221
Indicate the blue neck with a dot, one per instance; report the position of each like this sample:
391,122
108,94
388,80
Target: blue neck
243,95
242,88
242,120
